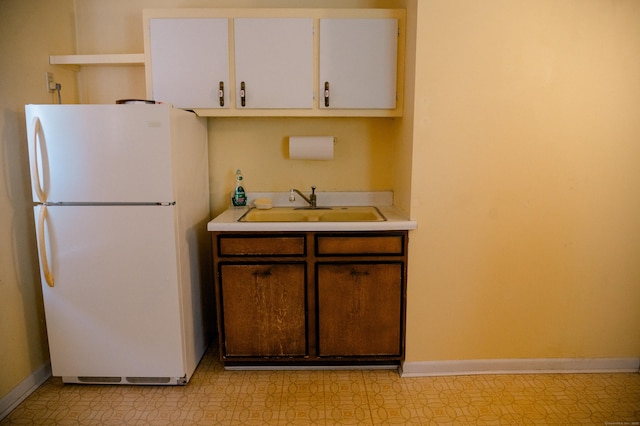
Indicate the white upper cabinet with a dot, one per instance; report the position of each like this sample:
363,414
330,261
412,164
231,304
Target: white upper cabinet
273,62
277,61
190,61
358,60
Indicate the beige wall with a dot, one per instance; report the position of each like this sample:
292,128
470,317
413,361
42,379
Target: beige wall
28,32
526,184
363,156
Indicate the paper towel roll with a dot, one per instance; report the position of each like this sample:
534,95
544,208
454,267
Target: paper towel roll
311,147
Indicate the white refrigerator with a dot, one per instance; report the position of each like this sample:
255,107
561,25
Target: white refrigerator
121,205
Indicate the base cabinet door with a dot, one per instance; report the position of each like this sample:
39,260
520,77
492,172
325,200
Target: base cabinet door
264,309
359,309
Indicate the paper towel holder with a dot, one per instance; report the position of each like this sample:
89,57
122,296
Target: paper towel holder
311,147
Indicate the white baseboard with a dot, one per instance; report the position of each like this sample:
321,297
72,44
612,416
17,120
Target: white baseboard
520,366
24,389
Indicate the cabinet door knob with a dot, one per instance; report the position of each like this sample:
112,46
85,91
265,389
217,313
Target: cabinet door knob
356,273
221,93
326,94
242,94
262,273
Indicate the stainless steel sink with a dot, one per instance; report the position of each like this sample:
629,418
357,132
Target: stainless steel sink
320,214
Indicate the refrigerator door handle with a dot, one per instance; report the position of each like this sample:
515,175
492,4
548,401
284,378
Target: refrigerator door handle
36,127
42,243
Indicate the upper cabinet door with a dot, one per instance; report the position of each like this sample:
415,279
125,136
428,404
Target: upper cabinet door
274,62
358,63
190,61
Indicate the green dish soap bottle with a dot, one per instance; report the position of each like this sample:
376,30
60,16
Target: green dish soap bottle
239,196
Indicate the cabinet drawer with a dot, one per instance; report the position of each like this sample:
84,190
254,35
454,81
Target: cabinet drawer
392,245
267,245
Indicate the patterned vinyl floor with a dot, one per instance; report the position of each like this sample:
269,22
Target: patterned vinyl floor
355,397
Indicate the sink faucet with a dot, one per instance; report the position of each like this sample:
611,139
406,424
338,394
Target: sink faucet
311,200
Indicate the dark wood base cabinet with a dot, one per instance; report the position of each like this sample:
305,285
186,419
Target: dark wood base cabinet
311,298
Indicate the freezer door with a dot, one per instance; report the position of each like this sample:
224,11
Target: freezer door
100,153
114,308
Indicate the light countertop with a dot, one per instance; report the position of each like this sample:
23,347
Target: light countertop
396,220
